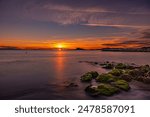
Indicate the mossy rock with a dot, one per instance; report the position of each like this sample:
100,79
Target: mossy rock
86,77
94,74
121,66
107,89
102,89
122,84
116,72
105,77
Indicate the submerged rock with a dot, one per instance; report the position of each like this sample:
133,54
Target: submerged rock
72,85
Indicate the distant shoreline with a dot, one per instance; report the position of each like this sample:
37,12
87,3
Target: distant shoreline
143,49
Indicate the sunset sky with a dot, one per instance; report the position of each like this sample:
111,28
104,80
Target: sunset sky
89,24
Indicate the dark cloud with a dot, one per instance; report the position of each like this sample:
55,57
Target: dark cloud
105,12
146,34
137,43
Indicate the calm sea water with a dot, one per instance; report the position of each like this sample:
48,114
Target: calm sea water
43,74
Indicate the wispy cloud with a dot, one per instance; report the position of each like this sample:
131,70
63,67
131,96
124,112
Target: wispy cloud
119,26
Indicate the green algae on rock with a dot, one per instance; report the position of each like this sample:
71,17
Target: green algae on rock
86,77
105,77
122,84
94,74
116,72
121,66
101,89
107,89
89,76
115,79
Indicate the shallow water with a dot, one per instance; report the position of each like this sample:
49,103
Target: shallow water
42,74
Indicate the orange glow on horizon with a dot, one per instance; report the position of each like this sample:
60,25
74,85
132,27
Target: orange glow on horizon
93,43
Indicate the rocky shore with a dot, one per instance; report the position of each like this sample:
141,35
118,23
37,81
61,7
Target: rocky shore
116,80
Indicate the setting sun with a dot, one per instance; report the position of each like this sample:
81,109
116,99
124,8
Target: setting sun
60,46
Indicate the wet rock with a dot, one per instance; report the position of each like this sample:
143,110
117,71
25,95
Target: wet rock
92,90
122,84
107,65
135,73
105,77
145,68
107,89
121,66
89,76
94,74
101,89
116,72
86,77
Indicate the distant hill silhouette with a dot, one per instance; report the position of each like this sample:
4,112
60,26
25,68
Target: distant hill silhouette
79,49
143,49
8,48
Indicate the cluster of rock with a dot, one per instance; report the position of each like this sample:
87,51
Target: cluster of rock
117,79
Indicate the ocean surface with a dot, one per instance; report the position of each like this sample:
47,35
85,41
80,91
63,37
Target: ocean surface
37,75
